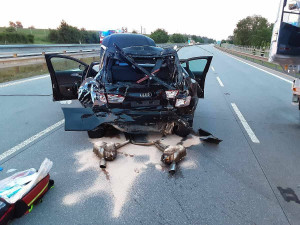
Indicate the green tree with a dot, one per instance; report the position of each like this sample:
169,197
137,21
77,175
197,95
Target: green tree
67,34
160,36
252,31
178,38
10,29
53,36
197,39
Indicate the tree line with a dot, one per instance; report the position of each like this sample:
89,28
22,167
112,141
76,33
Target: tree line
66,34
161,36
253,31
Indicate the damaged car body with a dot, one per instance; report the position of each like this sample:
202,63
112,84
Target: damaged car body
139,88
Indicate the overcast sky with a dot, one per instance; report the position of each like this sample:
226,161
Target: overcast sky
215,19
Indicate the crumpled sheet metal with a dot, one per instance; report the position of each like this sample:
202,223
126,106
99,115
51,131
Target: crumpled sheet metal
84,119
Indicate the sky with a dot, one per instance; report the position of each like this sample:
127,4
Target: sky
211,18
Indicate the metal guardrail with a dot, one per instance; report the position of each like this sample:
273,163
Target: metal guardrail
31,54
14,51
23,61
261,52
254,58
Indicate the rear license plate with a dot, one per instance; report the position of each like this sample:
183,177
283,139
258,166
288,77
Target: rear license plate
145,103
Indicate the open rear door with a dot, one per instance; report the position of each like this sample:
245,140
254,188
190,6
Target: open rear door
197,67
66,75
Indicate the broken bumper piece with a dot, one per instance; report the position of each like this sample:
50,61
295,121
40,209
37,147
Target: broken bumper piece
85,119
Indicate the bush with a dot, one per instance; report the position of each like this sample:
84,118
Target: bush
160,36
66,34
178,38
197,39
16,38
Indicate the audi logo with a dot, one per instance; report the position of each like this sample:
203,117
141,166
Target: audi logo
146,95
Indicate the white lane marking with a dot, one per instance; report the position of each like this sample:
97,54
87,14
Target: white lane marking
22,81
279,77
213,68
245,124
30,140
220,82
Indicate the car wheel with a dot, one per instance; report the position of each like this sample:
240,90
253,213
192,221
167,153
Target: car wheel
99,132
181,130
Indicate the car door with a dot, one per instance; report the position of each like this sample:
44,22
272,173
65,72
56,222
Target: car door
66,75
197,68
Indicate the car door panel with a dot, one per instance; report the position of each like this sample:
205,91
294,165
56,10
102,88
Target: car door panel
66,75
197,68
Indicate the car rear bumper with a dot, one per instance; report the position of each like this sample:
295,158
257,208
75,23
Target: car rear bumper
131,121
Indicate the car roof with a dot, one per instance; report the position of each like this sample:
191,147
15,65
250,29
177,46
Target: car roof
127,40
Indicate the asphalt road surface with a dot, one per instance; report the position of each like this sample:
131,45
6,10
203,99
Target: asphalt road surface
235,182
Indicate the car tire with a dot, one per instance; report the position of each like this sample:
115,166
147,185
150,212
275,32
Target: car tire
99,132
181,130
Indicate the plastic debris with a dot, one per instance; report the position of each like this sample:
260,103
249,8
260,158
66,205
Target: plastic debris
208,137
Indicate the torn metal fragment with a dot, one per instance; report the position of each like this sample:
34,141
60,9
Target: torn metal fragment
107,152
208,137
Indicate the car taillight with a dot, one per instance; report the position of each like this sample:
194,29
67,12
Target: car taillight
111,98
182,102
171,94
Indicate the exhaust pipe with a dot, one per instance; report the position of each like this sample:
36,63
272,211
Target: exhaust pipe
102,163
172,168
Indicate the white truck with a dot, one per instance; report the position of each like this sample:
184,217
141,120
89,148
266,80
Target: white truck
285,43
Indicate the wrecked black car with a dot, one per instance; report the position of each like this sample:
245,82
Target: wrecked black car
138,88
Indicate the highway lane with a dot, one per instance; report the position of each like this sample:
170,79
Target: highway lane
233,183
266,103
25,110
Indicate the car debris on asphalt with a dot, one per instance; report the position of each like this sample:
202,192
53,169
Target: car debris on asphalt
107,152
172,154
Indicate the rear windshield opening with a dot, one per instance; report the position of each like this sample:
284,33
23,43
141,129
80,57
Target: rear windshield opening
122,72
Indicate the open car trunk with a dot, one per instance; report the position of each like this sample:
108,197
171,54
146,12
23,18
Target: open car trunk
138,90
